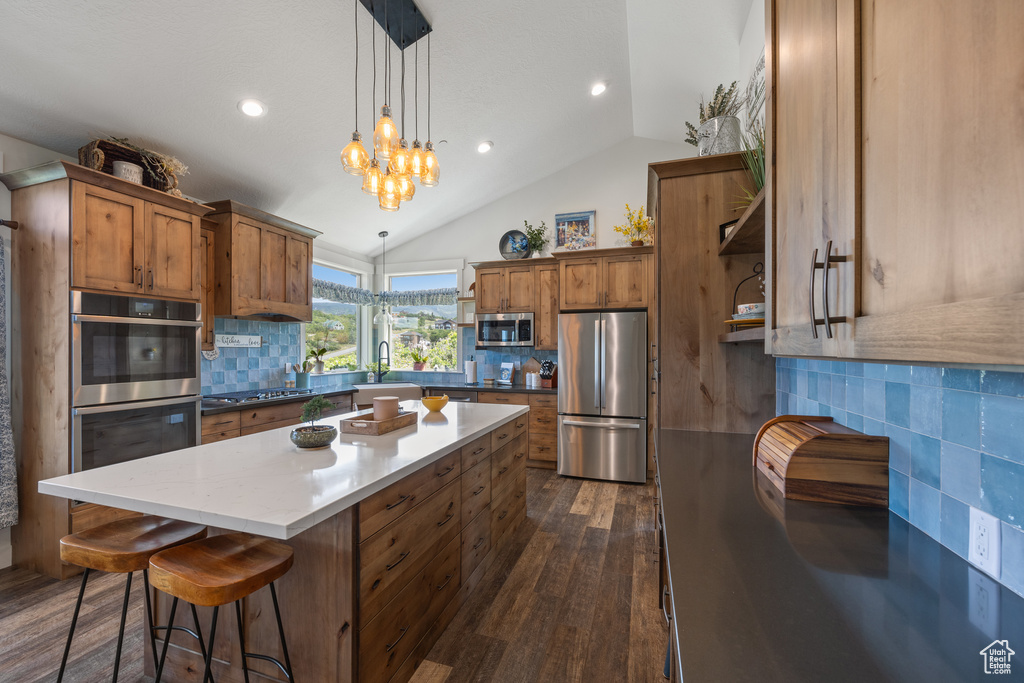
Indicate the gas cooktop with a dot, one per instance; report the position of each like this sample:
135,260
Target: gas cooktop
255,395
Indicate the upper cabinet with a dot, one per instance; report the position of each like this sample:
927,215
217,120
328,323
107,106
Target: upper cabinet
545,310
124,244
882,150
264,264
618,279
506,289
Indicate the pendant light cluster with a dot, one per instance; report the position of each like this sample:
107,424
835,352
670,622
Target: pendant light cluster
393,169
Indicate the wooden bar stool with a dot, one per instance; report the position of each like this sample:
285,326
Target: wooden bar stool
123,547
216,571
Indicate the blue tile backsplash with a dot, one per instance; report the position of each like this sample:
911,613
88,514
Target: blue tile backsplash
242,369
956,439
488,361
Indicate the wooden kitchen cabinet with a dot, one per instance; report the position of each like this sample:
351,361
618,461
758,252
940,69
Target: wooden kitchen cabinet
264,264
543,430
127,245
505,290
207,242
614,281
925,261
545,309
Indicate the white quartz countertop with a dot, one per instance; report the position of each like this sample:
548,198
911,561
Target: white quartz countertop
264,485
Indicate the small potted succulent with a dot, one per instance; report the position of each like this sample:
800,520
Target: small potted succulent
536,238
314,435
419,359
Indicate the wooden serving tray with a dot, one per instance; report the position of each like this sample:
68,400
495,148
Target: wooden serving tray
808,457
363,423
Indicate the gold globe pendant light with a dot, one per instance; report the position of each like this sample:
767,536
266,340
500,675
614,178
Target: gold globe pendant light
406,187
431,173
354,158
399,161
390,193
385,135
373,179
416,153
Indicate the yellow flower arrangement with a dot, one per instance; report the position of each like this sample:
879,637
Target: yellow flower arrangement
638,227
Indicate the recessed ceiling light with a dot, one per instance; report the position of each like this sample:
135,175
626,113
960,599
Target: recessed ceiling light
598,89
484,147
252,107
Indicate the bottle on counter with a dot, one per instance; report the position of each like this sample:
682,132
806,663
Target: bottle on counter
369,377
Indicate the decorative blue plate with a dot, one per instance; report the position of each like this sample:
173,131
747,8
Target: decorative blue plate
513,245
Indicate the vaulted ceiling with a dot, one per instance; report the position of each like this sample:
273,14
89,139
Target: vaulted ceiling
169,76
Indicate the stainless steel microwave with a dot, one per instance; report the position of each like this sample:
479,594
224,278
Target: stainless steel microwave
504,329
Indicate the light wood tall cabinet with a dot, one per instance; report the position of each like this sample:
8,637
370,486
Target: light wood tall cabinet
545,309
881,146
79,229
126,245
264,264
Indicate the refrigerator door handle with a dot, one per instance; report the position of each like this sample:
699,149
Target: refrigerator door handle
598,365
600,425
603,364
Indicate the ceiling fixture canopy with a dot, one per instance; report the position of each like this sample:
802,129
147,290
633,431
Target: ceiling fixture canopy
390,168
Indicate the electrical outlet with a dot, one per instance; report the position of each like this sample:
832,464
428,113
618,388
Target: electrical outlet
983,551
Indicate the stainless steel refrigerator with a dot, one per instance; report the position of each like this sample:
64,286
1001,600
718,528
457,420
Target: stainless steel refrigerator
602,395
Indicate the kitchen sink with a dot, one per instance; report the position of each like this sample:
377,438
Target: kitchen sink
365,393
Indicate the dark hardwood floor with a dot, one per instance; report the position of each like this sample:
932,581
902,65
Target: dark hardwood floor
579,604
573,597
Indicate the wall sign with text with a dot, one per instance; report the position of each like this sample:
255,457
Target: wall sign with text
253,341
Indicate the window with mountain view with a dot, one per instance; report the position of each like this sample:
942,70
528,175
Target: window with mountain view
424,337
335,326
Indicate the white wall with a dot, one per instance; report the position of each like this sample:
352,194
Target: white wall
14,155
751,42
605,182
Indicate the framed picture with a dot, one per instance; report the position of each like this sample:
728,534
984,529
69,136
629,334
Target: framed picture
575,231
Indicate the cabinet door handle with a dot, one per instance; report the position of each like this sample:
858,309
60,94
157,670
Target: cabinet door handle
503,514
397,503
479,490
810,294
446,472
151,280
138,271
388,648
447,580
395,564
664,605
479,543
824,289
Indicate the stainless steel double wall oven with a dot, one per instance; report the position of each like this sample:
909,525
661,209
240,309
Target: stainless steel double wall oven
134,378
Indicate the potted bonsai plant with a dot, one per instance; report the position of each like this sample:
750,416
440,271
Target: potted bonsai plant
419,359
314,435
638,228
719,131
536,238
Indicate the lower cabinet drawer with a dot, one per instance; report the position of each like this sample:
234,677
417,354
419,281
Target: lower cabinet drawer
476,490
291,413
543,446
543,420
392,502
223,422
507,463
267,426
506,506
475,451
213,437
387,640
503,397
502,435
476,542
521,424
389,558
342,404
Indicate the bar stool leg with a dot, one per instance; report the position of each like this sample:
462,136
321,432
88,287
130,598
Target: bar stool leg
120,632
241,640
149,615
167,641
74,621
199,636
280,629
208,673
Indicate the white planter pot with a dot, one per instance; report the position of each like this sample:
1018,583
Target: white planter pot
719,135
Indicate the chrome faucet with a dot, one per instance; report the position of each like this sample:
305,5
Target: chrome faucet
380,374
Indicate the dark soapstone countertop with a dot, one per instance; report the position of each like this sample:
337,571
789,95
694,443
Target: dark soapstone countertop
767,589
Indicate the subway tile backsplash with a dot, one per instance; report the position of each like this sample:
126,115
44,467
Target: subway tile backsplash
956,439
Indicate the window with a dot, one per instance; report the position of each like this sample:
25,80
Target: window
335,326
424,334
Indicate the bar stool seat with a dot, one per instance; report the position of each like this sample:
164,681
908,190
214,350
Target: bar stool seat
219,570
123,546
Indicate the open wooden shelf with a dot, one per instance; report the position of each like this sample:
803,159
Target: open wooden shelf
751,334
466,298
748,235
465,324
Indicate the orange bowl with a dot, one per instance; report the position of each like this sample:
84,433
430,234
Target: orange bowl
435,403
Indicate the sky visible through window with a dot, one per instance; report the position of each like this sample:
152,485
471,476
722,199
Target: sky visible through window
332,275
405,283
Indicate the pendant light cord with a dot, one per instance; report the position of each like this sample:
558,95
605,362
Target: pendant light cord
373,41
403,93
428,86
416,99
355,23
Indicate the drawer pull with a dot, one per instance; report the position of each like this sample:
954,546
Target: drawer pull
479,490
447,518
448,579
504,513
503,436
400,501
392,566
225,422
390,647
479,450
446,472
520,425
479,543
503,399
664,605
520,454
770,466
503,470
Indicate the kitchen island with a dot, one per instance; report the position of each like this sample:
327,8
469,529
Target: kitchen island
390,533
